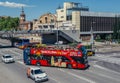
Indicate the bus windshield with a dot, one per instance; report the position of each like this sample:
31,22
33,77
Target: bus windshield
78,59
23,40
84,51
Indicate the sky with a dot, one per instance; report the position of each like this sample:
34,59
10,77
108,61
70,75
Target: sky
35,8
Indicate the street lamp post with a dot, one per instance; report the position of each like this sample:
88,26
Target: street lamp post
57,28
57,34
92,36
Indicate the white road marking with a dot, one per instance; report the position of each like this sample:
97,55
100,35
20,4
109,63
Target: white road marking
106,76
83,78
103,68
80,77
15,52
107,59
54,80
21,62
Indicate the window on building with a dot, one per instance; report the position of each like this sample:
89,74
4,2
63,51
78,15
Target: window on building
62,16
51,26
52,20
69,12
46,19
40,21
45,26
62,10
40,27
69,17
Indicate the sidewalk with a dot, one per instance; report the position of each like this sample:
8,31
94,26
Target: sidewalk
102,47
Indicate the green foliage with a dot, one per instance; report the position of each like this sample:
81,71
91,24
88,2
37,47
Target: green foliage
98,37
88,46
108,37
73,44
9,23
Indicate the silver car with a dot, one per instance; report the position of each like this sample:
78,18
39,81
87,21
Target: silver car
36,74
7,58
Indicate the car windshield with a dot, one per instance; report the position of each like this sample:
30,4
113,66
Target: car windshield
8,56
38,71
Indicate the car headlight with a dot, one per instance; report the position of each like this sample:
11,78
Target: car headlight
38,78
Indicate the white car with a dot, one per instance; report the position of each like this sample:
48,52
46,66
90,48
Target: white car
7,58
36,74
59,42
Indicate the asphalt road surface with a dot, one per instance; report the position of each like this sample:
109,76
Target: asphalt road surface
104,68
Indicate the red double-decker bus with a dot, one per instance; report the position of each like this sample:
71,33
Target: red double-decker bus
69,58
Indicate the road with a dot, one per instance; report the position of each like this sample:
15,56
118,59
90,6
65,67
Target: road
4,42
104,68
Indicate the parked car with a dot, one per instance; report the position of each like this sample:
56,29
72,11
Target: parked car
90,52
7,58
59,42
36,74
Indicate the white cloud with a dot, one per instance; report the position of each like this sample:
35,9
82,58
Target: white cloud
13,4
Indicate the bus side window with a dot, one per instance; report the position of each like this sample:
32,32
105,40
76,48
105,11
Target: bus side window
41,57
64,59
55,58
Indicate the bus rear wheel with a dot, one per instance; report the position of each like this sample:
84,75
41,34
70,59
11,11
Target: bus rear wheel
69,66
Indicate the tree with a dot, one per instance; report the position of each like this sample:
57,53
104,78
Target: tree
98,37
9,23
108,37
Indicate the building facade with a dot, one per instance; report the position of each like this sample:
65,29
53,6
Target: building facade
85,20
46,21
23,24
70,12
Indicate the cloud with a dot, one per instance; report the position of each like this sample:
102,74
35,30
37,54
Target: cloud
13,4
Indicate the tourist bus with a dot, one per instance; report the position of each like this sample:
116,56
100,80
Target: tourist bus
69,58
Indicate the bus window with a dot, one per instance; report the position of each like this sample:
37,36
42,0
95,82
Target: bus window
84,51
25,40
77,59
64,59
